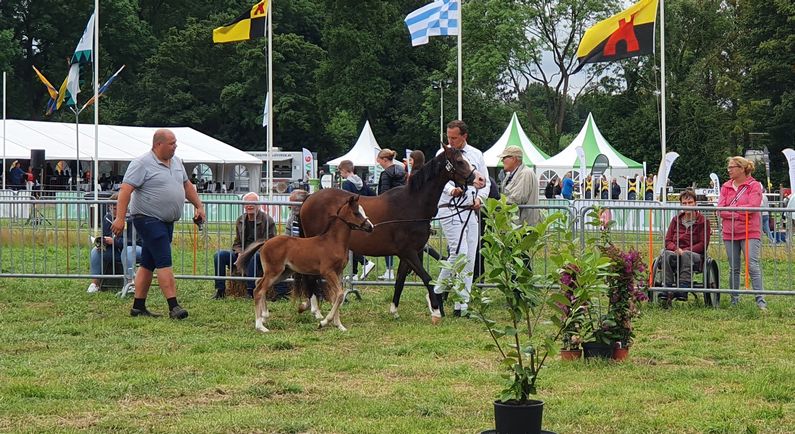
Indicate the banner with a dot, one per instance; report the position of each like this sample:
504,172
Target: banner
661,182
581,156
715,183
790,154
308,164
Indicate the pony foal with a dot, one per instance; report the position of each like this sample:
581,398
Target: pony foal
324,255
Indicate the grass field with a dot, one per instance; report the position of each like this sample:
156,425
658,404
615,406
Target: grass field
71,362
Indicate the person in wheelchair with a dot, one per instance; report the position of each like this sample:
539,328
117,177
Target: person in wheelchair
109,250
685,244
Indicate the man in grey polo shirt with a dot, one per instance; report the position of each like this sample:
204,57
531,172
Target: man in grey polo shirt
155,187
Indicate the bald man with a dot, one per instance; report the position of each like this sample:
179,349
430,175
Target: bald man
254,225
155,188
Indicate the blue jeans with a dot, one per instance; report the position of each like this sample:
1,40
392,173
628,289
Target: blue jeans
225,258
97,260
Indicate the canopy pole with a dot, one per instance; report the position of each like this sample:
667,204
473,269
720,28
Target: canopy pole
269,182
662,86
5,169
95,53
460,80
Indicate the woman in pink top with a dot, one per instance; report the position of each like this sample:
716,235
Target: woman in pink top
742,229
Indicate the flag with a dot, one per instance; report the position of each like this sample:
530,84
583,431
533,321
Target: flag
83,52
249,25
661,181
50,88
627,34
308,163
439,18
69,88
103,88
265,111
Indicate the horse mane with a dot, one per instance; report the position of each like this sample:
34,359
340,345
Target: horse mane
428,172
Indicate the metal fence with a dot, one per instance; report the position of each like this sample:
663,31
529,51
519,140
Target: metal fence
54,237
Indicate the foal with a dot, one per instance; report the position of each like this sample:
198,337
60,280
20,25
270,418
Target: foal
324,255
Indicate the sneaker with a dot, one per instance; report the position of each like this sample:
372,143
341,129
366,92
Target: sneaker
144,312
178,313
388,275
92,288
368,267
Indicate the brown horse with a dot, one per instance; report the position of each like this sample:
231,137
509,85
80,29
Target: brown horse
324,255
402,219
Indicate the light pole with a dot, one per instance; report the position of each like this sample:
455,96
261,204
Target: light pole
440,85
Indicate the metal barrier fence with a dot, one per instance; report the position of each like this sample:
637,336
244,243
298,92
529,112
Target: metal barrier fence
53,238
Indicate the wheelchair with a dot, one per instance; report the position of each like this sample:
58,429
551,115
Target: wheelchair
710,279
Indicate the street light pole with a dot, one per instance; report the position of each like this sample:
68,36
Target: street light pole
440,85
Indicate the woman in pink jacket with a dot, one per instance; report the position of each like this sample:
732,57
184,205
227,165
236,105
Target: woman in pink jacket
742,229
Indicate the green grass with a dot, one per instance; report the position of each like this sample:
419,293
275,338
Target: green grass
71,362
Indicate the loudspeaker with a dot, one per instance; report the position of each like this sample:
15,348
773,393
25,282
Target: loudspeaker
37,158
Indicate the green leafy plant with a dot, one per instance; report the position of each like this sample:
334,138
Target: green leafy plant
518,299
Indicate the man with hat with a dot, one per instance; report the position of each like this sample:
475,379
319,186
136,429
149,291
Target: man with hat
520,185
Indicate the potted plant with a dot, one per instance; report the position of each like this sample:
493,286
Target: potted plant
519,299
626,290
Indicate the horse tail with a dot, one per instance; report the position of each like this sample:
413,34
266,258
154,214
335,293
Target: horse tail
242,258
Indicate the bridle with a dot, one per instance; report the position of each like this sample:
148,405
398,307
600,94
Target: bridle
449,166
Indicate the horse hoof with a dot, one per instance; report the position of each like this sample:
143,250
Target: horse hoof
436,320
318,315
303,307
342,328
322,324
262,329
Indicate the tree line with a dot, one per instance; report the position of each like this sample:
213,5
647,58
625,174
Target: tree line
730,74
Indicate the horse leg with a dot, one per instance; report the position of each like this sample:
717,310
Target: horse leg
402,273
261,313
309,285
433,299
336,296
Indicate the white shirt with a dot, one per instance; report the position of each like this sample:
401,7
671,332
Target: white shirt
475,158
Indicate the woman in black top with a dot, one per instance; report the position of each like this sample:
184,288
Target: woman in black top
549,190
394,175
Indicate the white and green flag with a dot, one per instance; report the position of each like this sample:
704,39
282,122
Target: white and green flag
84,50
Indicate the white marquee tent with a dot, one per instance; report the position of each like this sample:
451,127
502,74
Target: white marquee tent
593,143
119,144
514,135
364,150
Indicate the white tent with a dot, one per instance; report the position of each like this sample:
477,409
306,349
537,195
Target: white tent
514,135
364,150
593,143
120,144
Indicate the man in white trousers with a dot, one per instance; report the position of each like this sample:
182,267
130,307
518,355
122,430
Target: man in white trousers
454,223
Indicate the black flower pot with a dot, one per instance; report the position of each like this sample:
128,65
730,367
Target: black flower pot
518,418
597,350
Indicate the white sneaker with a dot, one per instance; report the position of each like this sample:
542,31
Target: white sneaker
388,275
368,267
92,288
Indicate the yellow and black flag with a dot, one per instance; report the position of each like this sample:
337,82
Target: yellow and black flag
249,25
627,34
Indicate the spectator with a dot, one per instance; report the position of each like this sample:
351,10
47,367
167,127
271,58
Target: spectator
253,225
549,190
109,250
568,187
392,176
615,190
649,188
354,184
741,229
30,179
588,187
557,189
604,187
633,187
767,218
17,177
520,186
155,187
686,242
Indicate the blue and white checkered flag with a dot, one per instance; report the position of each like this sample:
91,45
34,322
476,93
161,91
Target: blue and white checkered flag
439,18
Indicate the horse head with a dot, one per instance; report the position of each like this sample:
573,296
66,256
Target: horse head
354,216
457,167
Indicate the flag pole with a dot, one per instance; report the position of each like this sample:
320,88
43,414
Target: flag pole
5,169
95,54
269,182
460,31
662,86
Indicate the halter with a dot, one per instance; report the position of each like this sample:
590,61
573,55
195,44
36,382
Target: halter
352,226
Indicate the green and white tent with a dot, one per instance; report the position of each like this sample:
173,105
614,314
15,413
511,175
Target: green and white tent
593,144
514,135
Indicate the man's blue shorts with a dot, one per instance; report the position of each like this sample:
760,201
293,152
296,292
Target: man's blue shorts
156,236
